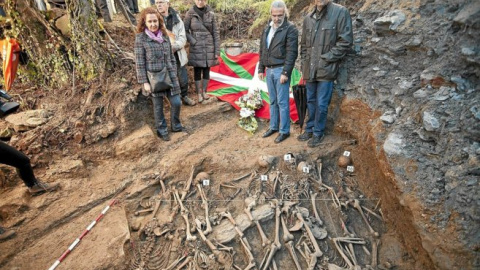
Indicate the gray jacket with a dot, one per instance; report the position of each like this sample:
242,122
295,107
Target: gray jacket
178,29
204,38
324,42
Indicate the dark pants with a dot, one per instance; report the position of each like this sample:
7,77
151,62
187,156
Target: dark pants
160,122
198,71
12,157
182,75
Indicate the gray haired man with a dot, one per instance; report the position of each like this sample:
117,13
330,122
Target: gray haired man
278,52
175,26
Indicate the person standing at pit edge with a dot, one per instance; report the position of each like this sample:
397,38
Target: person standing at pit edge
178,38
278,52
153,52
326,38
204,39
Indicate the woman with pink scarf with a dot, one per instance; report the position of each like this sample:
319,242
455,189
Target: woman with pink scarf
153,52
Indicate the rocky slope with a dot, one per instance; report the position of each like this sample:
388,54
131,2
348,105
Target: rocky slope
417,62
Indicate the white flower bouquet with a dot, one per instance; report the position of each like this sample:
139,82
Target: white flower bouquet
248,103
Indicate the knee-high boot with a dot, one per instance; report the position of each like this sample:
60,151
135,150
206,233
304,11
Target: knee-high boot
205,84
199,89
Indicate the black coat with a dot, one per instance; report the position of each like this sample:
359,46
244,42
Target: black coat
283,49
204,38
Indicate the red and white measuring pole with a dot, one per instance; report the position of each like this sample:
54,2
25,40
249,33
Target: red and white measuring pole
89,228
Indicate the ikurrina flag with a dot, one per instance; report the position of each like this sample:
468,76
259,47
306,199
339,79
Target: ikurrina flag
233,77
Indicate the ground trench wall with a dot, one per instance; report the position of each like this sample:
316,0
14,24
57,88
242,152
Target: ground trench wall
356,119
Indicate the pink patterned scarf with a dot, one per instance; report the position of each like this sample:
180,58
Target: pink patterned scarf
157,37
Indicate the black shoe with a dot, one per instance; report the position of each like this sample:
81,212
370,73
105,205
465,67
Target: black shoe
305,136
281,137
315,141
164,137
179,130
268,133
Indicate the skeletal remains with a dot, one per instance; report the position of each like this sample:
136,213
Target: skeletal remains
165,246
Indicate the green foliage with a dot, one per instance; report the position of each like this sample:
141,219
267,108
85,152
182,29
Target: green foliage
263,8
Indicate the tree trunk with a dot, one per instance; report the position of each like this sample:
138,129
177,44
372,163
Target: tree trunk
57,59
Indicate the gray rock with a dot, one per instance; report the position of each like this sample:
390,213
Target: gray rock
469,15
388,117
414,41
442,94
394,144
461,83
475,110
430,122
388,23
27,120
468,51
380,73
421,93
405,84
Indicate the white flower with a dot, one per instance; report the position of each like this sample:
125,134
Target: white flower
244,112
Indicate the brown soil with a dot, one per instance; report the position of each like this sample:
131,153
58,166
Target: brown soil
46,225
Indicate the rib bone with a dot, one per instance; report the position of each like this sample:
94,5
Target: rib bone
318,253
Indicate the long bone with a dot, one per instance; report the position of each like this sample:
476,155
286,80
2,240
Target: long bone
288,239
350,245
190,237
336,201
187,261
356,205
184,213
175,263
340,250
189,183
243,240
374,252
251,259
229,216
314,206
217,251
276,245
318,253
287,236
247,210
348,234
205,205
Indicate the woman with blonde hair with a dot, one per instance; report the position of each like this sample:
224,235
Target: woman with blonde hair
153,54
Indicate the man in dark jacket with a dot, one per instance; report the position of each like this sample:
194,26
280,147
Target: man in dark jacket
326,38
278,52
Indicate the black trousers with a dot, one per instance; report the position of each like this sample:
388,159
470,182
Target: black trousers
12,157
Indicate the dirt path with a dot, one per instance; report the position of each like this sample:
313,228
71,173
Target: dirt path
46,225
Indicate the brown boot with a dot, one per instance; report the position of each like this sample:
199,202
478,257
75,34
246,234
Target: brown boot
6,234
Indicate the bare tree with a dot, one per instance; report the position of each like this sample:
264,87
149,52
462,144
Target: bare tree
56,58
